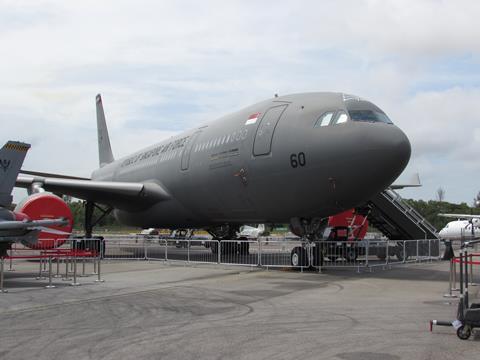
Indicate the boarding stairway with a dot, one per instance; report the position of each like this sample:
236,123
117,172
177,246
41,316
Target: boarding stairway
397,220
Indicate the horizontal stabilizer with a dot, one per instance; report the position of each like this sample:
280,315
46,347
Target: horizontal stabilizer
414,182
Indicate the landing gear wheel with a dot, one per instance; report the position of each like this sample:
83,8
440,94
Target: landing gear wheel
464,332
298,257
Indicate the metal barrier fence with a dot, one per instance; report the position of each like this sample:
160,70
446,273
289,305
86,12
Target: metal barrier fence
69,259
277,253
64,259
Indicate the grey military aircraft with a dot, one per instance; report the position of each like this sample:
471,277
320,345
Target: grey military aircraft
291,159
16,226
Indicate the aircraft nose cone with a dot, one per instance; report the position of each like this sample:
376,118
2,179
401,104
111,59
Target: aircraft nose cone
381,153
394,147
388,150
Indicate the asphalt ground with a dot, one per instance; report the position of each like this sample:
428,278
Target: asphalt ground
153,310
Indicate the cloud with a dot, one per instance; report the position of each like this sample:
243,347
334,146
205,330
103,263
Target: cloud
163,67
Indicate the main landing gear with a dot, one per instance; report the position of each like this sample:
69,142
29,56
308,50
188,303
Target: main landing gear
96,243
311,231
228,241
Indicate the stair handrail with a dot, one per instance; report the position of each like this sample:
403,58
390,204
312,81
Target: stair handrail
408,210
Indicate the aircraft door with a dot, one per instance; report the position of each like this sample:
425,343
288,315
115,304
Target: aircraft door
263,138
188,150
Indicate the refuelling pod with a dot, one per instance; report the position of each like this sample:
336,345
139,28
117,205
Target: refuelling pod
42,206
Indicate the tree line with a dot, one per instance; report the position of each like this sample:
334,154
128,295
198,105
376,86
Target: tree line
428,209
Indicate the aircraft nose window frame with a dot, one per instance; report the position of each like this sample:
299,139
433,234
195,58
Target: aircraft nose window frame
325,119
340,118
368,115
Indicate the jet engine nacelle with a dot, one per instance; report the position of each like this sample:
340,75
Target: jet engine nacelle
42,206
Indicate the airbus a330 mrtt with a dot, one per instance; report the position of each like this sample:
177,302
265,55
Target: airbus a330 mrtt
290,159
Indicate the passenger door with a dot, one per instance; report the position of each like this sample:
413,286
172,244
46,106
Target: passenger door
188,150
263,138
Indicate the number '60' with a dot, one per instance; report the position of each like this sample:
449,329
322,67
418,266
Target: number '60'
297,160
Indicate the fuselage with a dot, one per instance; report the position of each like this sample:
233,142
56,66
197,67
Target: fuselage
304,155
460,229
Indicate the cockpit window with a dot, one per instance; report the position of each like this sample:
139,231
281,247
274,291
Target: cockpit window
342,117
324,120
369,116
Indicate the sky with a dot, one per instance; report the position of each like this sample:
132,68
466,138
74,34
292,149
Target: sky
166,66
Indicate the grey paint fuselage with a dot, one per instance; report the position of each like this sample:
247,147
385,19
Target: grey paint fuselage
222,180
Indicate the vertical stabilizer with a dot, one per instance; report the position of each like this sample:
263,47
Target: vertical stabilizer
11,159
105,155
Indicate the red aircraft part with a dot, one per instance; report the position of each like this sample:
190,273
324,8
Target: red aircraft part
44,206
348,218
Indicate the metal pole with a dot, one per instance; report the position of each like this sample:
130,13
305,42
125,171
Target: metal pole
66,260
2,290
367,251
10,266
57,274
404,252
188,251
74,263
387,258
460,267
471,271
466,279
429,252
450,280
50,285
219,251
99,278
259,260
145,249
83,266
417,252
39,277
166,250
454,275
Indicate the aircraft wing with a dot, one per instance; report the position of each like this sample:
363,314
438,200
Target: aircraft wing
17,225
460,216
121,195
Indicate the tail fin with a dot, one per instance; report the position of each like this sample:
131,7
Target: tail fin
12,155
105,155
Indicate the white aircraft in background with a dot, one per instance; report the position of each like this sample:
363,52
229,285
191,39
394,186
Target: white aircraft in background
465,227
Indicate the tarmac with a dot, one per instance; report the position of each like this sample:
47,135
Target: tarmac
152,310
